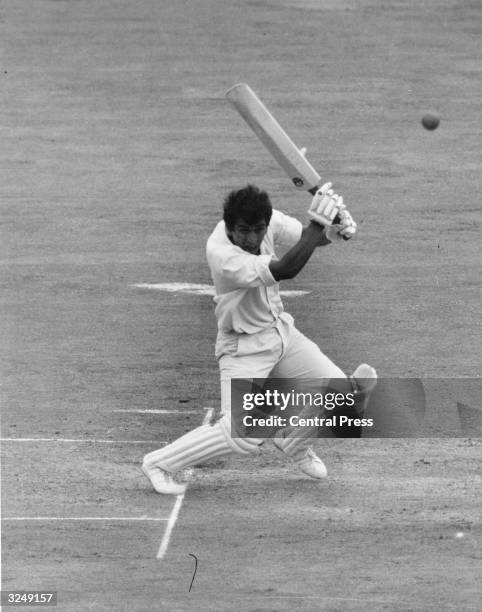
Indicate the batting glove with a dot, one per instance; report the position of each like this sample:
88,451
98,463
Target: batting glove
325,205
344,228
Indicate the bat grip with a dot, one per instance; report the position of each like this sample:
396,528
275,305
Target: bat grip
337,218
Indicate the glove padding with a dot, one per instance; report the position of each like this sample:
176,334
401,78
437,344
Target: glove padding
327,209
344,228
325,205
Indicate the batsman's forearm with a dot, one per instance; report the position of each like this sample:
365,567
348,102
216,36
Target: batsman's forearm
295,259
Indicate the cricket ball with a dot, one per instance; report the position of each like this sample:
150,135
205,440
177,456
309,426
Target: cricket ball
430,121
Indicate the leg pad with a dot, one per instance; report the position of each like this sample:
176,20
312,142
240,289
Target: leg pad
200,444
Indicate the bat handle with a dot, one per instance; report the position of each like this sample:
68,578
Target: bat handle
337,218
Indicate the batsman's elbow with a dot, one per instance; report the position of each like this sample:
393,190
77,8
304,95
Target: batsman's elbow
281,272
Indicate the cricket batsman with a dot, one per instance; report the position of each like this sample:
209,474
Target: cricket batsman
256,338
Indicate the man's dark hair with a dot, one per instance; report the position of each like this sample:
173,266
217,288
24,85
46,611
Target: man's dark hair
249,204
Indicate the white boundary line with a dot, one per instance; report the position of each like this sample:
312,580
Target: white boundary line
170,526
82,518
93,440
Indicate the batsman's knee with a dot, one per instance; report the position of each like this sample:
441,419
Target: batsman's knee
362,382
239,445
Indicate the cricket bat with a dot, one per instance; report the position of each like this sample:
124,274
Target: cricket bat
274,138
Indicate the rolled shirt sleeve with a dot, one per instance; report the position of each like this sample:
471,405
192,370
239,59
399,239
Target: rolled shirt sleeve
246,293
232,268
239,270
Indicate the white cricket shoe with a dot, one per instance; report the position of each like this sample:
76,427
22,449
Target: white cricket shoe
309,463
312,465
162,481
365,377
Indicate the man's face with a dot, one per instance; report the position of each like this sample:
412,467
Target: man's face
248,237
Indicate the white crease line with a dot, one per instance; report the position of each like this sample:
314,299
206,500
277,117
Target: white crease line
170,526
161,442
82,518
193,288
202,289
177,506
208,416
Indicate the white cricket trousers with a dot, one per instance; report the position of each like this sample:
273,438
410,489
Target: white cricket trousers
278,352
281,352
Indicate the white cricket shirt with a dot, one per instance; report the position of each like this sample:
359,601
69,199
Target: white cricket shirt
247,296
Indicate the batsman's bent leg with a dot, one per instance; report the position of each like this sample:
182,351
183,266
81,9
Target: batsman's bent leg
365,378
200,444
305,458
363,381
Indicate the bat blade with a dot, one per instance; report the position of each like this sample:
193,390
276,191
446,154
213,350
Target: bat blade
274,138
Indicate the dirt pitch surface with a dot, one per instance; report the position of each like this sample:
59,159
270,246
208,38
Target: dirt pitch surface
117,149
